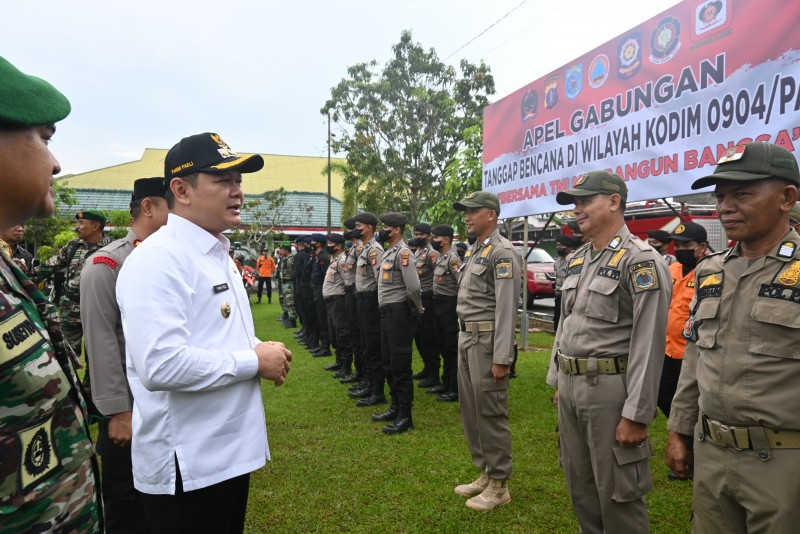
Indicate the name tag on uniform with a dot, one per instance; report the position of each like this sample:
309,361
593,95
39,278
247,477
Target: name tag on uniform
20,337
221,288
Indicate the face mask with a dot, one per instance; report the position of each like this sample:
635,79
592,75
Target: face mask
348,235
686,257
329,249
357,233
561,251
383,235
437,245
471,239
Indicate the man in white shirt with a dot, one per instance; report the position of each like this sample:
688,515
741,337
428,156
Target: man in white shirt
193,362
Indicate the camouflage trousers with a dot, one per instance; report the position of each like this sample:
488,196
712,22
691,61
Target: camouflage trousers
69,314
287,298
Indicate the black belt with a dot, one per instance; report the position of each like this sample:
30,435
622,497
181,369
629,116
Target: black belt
427,294
350,289
394,306
331,298
363,295
444,297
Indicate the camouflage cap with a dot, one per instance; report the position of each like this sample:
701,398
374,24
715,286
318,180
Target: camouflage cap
594,183
753,161
91,215
478,199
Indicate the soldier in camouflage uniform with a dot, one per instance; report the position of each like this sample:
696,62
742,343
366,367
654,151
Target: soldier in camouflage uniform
286,280
71,258
10,242
47,473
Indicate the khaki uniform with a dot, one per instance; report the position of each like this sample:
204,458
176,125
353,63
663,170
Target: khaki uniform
333,295
614,318
488,294
105,351
427,335
742,371
368,268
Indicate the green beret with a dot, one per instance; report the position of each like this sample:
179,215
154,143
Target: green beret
91,215
28,100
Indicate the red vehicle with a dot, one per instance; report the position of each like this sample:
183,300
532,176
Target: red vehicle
541,277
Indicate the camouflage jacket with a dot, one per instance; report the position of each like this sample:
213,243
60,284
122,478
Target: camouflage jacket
44,439
286,269
20,255
61,262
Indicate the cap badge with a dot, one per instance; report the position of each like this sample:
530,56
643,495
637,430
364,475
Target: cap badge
732,154
680,229
224,150
581,180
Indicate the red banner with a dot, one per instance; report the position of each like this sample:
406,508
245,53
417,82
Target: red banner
658,105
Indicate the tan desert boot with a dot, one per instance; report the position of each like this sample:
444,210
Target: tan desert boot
474,487
495,494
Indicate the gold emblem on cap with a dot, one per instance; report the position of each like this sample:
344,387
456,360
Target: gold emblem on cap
581,180
680,229
225,310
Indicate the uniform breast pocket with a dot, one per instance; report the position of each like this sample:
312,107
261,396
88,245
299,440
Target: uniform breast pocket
775,330
477,278
707,321
439,270
603,300
568,292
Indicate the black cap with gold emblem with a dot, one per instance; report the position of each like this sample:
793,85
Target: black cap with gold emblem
207,152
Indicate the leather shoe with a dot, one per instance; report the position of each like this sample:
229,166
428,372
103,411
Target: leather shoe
435,390
360,393
349,379
335,366
299,334
429,381
450,396
400,425
420,375
388,415
322,353
341,373
359,386
372,400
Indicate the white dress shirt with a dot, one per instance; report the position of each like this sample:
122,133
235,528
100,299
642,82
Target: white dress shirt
192,371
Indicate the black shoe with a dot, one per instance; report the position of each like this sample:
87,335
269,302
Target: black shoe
435,390
299,334
302,342
359,386
341,373
372,400
362,393
400,425
512,375
322,353
388,415
420,375
350,379
450,396
429,381
335,366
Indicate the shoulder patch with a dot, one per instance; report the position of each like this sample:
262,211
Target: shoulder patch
688,328
709,286
434,256
359,248
786,250
503,269
111,262
791,276
373,257
576,262
404,256
454,264
644,277
614,244
468,253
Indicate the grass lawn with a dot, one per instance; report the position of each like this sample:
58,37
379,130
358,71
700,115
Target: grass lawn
333,470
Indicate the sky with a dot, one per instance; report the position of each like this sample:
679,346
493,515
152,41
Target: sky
144,74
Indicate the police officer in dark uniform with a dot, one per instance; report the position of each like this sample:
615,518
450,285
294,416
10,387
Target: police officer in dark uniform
318,269
297,274
400,307
446,274
368,265
351,306
311,334
333,292
426,335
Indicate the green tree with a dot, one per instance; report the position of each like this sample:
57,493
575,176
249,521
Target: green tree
401,125
265,215
120,220
43,231
461,177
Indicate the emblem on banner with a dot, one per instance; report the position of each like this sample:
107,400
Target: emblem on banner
551,92
665,40
573,81
710,16
629,55
598,71
530,103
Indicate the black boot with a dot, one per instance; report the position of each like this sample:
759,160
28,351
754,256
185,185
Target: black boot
388,415
299,334
448,396
351,379
513,373
420,375
372,400
403,423
429,381
361,391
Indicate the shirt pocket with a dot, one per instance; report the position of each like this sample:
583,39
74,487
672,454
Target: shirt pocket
568,293
477,280
603,300
706,317
774,331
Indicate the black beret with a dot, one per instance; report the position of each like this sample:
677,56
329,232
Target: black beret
335,238
298,239
660,235
425,228
443,230
348,235
394,219
350,223
462,246
569,241
319,238
366,218
148,187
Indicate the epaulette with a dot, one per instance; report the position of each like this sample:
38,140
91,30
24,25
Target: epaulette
718,253
642,245
580,251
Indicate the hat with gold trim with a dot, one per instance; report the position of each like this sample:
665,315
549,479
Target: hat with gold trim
207,152
594,183
27,100
753,161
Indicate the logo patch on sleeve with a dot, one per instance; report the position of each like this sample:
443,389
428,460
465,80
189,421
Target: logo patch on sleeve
373,257
38,455
643,275
790,276
454,264
503,269
710,286
20,337
404,258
